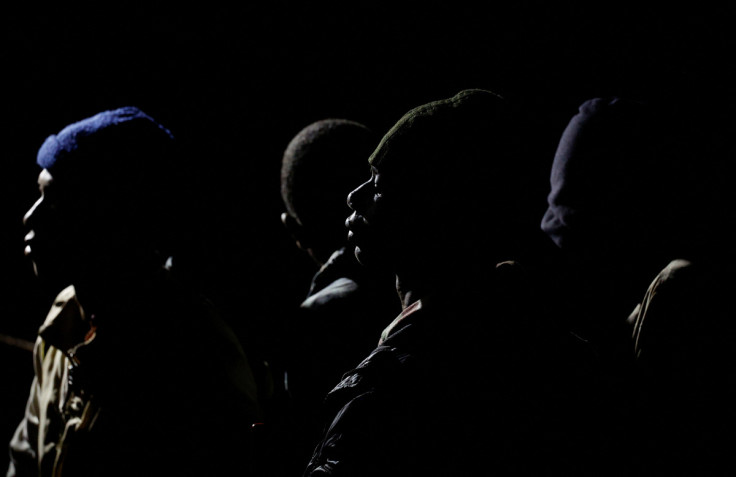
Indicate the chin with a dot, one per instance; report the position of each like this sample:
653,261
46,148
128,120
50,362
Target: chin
358,254
362,257
367,258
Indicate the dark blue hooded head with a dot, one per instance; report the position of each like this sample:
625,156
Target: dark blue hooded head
619,185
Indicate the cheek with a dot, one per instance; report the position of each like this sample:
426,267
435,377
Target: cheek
74,231
391,226
382,216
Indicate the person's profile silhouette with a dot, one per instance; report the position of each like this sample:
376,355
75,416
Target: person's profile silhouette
134,369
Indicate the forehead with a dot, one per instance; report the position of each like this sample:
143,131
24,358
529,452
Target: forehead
389,145
62,189
45,178
385,156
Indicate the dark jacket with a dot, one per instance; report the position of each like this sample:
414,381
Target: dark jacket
456,390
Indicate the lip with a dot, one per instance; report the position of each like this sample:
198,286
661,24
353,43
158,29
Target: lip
355,222
359,230
29,240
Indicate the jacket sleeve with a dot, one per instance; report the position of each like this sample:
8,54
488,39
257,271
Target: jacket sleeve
371,428
24,443
347,447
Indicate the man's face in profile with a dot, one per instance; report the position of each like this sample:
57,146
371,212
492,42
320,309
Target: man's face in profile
408,215
38,220
364,223
385,216
58,232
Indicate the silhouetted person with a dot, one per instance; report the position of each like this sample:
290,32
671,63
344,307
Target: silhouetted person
618,192
135,373
342,314
616,208
338,323
466,379
684,331
685,411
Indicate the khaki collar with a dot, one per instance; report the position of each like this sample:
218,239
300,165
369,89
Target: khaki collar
409,310
66,326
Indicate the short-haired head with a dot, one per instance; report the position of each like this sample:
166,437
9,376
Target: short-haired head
473,155
322,163
453,178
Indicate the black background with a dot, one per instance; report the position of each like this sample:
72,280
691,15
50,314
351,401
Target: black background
236,83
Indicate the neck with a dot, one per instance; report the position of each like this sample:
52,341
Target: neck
459,285
410,289
97,291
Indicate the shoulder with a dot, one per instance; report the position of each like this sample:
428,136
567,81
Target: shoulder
676,270
366,413
336,292
678,281
382,366
51,367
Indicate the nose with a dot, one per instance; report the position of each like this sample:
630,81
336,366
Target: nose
32,212
354,195
350,200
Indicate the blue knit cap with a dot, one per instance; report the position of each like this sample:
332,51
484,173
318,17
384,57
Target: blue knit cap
124,127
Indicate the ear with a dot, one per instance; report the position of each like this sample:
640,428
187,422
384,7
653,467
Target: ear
295,229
